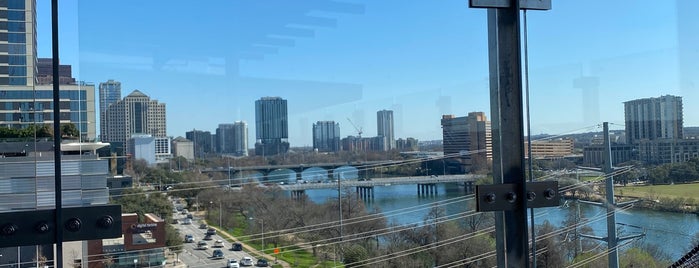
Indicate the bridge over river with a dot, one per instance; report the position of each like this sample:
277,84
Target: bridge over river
426,185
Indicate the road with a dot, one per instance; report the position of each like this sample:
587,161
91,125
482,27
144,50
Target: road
193,257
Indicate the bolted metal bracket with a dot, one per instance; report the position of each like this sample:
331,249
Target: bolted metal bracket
37,227
503,197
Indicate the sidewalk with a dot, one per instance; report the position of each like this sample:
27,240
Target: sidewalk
250,249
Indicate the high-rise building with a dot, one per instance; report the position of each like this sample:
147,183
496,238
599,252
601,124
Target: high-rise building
24,101
326,136
109,93
203,142
271,126
653,118
384,128
18,64
467,138
240,140
135,114
224,139
44,73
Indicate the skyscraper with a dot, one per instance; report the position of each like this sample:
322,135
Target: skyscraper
653,118
203,142
326,136
19,26
23,100
109,93
384,128
224,139
240,140
271,126
467,138
135,114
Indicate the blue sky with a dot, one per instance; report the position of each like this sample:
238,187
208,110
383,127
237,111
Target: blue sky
335,60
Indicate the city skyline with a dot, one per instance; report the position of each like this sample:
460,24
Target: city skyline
602,73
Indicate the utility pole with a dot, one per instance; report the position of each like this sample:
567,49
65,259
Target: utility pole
613,253
611,239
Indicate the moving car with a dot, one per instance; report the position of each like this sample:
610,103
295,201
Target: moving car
207,237
218,254
202,245
233,263
236,247
211,231
246,261
187,221
218,243
262,263
203,226
189,238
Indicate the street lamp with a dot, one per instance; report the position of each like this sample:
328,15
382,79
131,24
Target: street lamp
220,214
135,262
263,232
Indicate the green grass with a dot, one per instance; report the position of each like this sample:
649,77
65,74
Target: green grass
657,191
293,255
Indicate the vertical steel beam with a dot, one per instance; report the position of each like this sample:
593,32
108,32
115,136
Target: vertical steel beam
508,130
613,254
58,259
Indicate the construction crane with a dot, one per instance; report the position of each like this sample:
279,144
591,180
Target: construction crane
358,129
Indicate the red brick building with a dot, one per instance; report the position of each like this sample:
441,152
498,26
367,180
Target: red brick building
142,244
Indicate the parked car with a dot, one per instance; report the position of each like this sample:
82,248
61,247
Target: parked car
236,247
246,261
218,243
218,254
202,245
211,231
262,263
203,226
189,238
233,263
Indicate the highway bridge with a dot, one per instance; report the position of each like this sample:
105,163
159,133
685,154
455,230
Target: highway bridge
426,185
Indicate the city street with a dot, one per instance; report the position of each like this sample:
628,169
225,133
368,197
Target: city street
193,257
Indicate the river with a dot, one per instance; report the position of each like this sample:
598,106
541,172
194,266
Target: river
673,232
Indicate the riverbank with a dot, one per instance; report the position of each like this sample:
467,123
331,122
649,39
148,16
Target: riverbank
676,198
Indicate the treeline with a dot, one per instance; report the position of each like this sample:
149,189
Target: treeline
675,172
367,238
38,131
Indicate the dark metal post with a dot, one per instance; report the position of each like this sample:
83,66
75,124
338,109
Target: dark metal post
508,130
58,259
613,254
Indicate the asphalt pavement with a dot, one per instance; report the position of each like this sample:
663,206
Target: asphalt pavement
193,257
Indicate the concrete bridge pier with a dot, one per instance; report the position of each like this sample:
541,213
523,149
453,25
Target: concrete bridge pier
366,193
470,187
426,189
297,194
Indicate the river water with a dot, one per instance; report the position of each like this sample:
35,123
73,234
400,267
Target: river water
673,232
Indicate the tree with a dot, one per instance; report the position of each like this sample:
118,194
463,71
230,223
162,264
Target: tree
68,130
549,253
353,254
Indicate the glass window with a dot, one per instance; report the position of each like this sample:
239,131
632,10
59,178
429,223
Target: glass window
15,26
17,80
17,60
15,4
15,15
17,37
17,70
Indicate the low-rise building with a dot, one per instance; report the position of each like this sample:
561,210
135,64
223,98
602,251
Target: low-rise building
142,243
